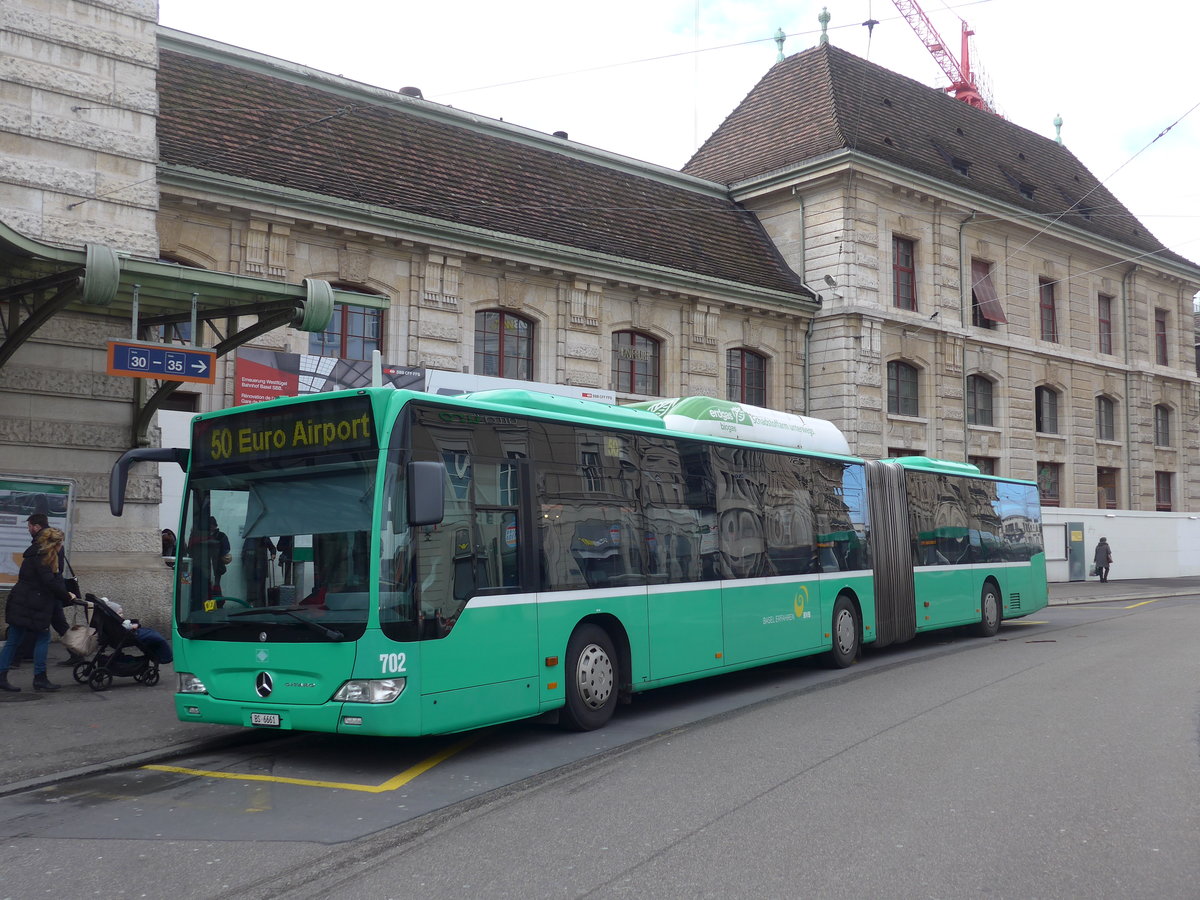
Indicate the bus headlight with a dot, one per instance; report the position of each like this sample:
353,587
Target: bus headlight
190,684
382,690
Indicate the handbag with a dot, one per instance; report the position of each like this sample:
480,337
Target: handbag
81,640
72,583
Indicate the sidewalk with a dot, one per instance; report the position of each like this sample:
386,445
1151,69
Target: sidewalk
45,738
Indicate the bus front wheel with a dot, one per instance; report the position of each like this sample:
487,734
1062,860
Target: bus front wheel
989,611
845,634
591,679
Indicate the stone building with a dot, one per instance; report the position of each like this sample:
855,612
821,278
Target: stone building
79,207
988,299
849,244
983,296
597,270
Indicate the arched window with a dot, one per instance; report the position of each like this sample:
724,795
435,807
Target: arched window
979,400
1162,425
354,332
635,363
902,389
746,377
503,345
1046,410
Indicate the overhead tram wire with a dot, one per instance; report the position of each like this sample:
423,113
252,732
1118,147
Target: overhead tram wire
1075,206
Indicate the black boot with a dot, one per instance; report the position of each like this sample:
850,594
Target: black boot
42,683
4,685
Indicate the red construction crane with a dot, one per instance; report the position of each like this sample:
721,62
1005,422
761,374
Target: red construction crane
962,81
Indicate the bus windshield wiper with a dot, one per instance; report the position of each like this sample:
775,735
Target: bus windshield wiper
331,633
203,630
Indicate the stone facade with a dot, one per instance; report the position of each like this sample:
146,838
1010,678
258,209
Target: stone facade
843,226
77,165
77,121
573,312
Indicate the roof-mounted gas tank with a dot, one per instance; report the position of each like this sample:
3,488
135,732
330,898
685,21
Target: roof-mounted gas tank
739,421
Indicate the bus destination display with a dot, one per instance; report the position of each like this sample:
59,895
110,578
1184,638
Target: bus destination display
285,432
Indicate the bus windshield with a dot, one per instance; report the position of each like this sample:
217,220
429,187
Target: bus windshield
286,548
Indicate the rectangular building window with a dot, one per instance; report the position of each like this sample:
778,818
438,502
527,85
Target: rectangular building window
635,364
986,309
1047,311
1160,337
1106,487
1162,491
1104,323
979,400
1162,426
746,373
985,464
503,345
353,333
1106,429
904,273
1049,476
1046,410
903,399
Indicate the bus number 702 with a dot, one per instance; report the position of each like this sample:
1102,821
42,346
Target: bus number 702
392,663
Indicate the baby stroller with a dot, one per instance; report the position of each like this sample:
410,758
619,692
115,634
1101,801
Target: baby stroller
122,651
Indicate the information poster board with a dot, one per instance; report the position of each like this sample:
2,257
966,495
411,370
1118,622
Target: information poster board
20,497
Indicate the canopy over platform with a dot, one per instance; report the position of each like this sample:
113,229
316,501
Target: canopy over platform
39,280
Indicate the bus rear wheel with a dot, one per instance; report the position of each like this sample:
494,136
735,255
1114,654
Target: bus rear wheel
591,679
845,634
989,611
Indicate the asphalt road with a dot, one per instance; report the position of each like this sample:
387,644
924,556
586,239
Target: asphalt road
1059,760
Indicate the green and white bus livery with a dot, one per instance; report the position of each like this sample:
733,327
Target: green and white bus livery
454,562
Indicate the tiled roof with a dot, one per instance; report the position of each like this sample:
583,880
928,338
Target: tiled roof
249,122
825,100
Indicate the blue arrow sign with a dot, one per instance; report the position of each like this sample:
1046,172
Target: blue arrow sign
165,362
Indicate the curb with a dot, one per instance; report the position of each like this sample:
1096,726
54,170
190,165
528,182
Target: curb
1119,598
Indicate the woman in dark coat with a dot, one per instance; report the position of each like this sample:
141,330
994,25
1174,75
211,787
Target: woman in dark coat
31,603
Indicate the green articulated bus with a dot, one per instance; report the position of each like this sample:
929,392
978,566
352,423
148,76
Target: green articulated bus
445,563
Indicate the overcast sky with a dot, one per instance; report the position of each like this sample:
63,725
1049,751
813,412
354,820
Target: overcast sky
651,79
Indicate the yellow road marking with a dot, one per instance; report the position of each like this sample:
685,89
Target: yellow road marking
390,785
1144,602
1024,622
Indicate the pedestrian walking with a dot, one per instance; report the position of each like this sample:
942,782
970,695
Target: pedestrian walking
31,603
58,619
1102,559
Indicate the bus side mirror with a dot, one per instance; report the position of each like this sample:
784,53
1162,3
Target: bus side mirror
120,470
426,505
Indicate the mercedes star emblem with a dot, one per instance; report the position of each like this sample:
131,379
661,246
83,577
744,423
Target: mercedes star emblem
263,684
